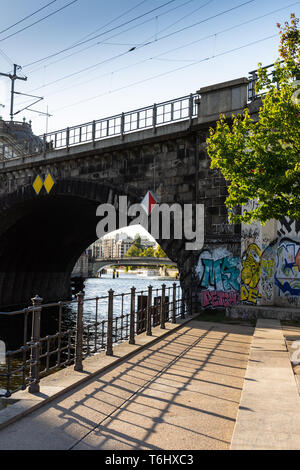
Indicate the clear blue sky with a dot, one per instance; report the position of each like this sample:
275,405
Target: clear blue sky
93,93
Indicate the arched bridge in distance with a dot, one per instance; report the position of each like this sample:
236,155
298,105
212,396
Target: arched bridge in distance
99,264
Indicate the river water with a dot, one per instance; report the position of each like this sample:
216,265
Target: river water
12,328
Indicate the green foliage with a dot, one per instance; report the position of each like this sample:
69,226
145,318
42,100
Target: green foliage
149,252
159,253
261,160
134,251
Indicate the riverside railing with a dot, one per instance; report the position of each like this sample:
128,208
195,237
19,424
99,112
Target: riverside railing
101,322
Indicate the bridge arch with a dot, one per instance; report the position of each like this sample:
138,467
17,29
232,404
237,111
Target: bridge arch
42,236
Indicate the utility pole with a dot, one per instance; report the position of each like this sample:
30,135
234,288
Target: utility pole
13,78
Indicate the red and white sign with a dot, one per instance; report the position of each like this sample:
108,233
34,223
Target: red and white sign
149,201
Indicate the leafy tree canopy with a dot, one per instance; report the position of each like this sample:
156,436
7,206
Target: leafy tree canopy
261,160
134,251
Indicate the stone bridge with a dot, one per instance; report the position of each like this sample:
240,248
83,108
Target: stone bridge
42,236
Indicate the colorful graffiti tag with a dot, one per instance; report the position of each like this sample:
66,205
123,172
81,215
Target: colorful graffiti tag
219,273
250,275
287,275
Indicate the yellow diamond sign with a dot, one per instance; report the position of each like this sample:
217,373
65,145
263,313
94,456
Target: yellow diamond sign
48,183
38,184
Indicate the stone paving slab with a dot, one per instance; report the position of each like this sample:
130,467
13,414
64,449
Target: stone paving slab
182,392
269,411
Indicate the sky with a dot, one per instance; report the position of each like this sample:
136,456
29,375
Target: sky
91,59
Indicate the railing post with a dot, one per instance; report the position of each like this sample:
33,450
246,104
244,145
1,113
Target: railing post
154,122
132,315
34,386
174,303
109,342
68,138
94,132
79,332
182,313
122,125
149,308
162,307
191,107
44,145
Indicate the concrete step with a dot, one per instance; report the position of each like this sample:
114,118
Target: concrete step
271,311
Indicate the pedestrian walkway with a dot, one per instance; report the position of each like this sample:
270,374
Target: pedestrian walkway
269,412
183,392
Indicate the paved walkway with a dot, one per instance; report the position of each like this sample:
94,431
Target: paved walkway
180,393
269,413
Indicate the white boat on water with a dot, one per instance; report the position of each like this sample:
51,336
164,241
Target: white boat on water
149,273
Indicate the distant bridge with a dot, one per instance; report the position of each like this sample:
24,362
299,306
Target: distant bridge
101,263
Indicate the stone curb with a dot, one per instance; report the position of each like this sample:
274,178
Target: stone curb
67,379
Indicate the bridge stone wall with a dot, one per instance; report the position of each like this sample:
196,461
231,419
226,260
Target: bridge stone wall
42,236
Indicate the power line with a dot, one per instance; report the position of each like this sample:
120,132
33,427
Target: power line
111,37
176,48
26,17
38,21
143,45
112,21
98,35
197,23
169,72
183,17
8,59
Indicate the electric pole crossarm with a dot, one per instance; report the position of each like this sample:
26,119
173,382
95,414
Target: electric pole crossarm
13,78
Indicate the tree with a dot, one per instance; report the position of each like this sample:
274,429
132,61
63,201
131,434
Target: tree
159,253
149,252
138,241
134,251
261,160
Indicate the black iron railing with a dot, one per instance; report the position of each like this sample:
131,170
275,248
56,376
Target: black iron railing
253,77
101,322
150,117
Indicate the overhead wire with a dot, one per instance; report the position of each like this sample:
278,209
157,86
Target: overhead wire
98,35
110,37
157,57
143,45
111,21
38,21
28,16
168,72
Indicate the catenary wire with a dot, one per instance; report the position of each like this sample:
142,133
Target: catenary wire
178,69
139,47
38,21
175,49
98,35
28,16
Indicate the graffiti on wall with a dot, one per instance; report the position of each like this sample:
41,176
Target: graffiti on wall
250,274
288,227
267,273
287,274
219,275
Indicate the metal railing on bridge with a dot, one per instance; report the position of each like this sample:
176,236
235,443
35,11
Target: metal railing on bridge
252,94
98,324
149,117
178,109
